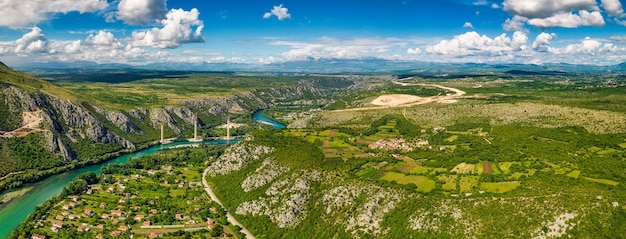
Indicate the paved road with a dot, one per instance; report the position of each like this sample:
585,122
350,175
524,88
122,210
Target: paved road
230,218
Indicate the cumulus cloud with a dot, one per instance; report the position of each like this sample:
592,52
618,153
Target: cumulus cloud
279,11
33,41
569,20
468,25
514,24
414,51
177,29
471,43
542,42
613,7
141,12
550,13
19,13
495,6
545,8
587,46
102,38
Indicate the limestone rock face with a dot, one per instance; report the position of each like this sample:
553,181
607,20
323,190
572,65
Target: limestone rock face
120,120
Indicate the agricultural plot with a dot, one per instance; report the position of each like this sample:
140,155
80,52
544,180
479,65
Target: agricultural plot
468,183
506,166
464,168
424,184
602,181
449,182
406,168
499,187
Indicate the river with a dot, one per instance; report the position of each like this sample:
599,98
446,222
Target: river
13,213
261,118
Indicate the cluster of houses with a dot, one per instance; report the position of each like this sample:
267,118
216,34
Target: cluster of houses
391,144
69,213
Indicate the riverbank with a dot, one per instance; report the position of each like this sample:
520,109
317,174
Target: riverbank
9,196
25,177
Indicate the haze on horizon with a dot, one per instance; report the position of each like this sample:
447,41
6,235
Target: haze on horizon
139,32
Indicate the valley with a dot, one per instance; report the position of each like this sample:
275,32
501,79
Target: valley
496,155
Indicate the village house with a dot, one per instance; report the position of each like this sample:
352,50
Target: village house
88,212
179,216
83,229
73,216
89,191
146,223
73,204
37,236
105,216
60,217
123,228
140,217
103,205
75,198
56,225
117,213
116,233
123,200
99,236
154,235
66,207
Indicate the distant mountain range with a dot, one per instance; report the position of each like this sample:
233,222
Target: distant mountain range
345,66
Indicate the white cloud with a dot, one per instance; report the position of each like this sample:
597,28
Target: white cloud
279,11
20,13
613,7
141,12
414,51
481,2
587,46
471,43
102,38
620,22
334,48
495,6
542,42
468,25
569,20
514,24
618,39
176,30
546,8
33,41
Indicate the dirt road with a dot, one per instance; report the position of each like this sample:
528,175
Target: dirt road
422,100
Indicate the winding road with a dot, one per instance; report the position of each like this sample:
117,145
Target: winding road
230,218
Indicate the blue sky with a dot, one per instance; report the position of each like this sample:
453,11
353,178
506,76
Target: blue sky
259,32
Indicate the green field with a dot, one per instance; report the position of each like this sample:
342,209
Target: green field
424,184
499,187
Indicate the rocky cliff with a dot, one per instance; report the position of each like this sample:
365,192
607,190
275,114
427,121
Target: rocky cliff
73,128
